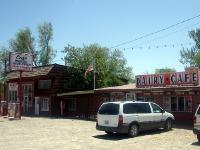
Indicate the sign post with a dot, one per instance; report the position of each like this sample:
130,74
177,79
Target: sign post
21,62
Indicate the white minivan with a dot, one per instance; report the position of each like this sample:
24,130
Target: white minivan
131,117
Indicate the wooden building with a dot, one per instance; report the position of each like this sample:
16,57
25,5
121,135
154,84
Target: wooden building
40,88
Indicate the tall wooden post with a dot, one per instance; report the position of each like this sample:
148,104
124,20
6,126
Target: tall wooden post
61,108
20,95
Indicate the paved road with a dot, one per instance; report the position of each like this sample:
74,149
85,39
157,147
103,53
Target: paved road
71,134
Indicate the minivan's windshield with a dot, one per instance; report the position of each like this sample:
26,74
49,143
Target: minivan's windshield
109,109
198,111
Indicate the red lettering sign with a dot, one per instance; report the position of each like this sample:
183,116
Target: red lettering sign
189,77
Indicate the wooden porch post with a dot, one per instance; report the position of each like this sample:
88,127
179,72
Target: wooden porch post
61,108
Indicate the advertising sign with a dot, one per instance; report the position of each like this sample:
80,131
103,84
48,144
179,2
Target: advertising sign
21,61
176,78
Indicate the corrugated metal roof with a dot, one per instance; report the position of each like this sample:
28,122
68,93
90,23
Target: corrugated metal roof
37,71
122,87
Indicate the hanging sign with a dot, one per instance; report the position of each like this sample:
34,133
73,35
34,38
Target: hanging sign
13,86
189,77
21,61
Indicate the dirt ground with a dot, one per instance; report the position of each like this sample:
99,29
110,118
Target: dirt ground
72,134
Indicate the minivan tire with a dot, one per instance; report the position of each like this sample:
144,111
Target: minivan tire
133,130
168,124
198,137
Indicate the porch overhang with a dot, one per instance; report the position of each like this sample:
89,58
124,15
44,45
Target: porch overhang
76,93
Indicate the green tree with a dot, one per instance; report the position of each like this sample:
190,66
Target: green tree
191,56
164,70
110,66
45,31
24,42
4,63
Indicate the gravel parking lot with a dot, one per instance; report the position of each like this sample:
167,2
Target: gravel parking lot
73,134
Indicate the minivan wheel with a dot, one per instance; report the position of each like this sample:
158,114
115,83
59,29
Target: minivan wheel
109,133
198,137
168,125
133,130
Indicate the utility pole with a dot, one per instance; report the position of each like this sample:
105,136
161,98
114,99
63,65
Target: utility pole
94,73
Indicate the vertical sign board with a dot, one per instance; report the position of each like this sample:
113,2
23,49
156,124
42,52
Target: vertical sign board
21,61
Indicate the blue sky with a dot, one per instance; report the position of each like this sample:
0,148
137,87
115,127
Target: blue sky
108,23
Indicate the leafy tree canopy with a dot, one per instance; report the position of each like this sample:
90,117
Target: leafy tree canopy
191,56
110,66
164,70
45,31
24,42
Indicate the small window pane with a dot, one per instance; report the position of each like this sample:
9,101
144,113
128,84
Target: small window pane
72,105
44,84
198,112
180,103
156,109
143,108
173,103
44,104
188,104
130,108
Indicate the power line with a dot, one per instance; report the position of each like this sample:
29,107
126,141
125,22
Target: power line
152,33
161,37
157,46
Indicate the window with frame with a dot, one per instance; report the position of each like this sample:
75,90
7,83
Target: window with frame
27,91
136,108
173,103
156,109
178,104
167,103
130,96
44,84
72,105
12,94
44,104
130,109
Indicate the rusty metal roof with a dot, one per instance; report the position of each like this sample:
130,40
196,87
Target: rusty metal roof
122,87
37,71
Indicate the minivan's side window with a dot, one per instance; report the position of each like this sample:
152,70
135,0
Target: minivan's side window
133,108
109,109
155,108
143,108
129,109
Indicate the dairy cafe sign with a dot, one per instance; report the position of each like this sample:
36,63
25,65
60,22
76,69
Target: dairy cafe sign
179,78
21,61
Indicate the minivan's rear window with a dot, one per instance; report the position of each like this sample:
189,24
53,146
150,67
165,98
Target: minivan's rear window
109,109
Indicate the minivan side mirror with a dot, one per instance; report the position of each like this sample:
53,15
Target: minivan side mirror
162,111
